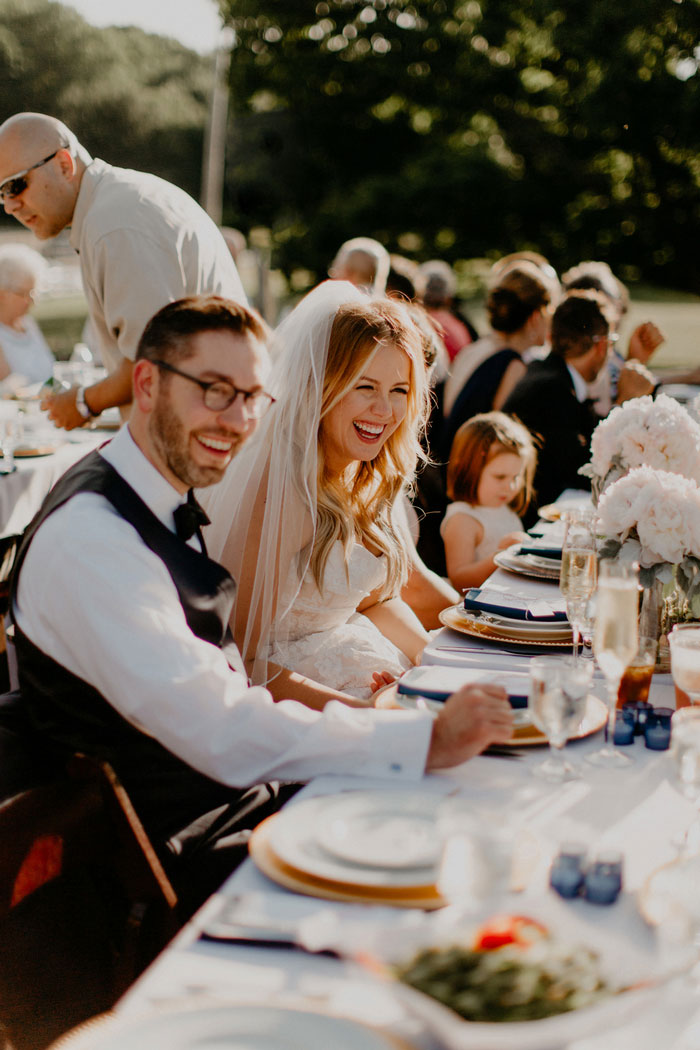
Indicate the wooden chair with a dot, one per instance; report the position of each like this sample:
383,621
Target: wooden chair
84,901
9,545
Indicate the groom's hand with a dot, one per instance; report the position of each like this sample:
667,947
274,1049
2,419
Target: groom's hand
473,718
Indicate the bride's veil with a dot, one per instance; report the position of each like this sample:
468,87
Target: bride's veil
263,512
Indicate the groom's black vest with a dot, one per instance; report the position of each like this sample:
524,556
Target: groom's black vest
72,715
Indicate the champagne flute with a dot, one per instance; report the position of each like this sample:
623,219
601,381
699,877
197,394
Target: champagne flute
615,642
558,689
577,579
685,752
684,641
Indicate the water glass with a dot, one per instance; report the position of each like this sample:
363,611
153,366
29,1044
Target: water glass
558,690
684,641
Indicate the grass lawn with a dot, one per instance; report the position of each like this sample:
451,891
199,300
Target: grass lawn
677,314
61,320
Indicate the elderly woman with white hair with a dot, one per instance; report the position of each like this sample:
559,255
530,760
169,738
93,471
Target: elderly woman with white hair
23,349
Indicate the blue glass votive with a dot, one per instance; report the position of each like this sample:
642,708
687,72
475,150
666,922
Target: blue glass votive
640,709
657,732
603,881
566,874
625,723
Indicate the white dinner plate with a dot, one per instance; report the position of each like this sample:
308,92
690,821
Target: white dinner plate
622,961
295,837
527,632
511,623
527,564
551,1033
379,831
234,1028
521,715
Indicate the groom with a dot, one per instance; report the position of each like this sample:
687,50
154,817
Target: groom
121,620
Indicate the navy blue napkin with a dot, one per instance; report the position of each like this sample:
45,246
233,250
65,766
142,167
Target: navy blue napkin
473,603
542,552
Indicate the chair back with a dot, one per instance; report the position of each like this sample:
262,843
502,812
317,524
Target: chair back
85,903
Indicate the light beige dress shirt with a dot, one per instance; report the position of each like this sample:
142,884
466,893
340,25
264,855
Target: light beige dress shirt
143,243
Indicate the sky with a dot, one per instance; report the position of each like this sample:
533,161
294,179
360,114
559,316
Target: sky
195,23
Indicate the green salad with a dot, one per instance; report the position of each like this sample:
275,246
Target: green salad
511,983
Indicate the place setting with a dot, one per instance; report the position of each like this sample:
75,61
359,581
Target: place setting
372,847
510,617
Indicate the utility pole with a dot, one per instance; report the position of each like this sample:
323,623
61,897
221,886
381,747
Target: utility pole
214,157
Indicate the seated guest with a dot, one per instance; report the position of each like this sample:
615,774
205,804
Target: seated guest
23,350
310,519
439,286
644,340
121,620
363,262
489,480
552,398
485,373
402,279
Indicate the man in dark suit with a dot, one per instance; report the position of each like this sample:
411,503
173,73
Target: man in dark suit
552,397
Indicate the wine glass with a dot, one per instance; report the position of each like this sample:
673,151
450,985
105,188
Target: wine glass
684,641
615,642
558,689
10,434
577,579
685,752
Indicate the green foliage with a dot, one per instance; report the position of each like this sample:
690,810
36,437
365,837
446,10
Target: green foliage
465,128
133,99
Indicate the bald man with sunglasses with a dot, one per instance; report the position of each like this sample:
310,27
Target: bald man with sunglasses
142,243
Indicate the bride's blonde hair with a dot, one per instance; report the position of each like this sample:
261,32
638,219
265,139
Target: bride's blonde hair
359,505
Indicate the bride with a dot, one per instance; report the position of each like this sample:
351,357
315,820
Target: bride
309,517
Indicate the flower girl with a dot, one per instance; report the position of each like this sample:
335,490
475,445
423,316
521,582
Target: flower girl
489,478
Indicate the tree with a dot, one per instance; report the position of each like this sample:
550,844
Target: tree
468,127
132,98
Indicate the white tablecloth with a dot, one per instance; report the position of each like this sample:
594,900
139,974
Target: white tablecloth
22,492
636,810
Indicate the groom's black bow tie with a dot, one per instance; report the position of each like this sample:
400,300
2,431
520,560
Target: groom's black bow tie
189,518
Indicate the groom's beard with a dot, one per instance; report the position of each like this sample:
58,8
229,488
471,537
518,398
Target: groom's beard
174,443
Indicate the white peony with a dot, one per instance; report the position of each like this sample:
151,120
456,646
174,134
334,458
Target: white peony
657,433
656,509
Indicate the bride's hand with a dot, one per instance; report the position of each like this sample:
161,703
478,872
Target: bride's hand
381,679
384,692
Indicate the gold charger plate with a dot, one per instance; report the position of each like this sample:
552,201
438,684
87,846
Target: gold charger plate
670,889
523,565
267,861
456,617
40,450
595,717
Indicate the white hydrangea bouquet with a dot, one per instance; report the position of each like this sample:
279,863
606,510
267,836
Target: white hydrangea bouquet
653,517
644,432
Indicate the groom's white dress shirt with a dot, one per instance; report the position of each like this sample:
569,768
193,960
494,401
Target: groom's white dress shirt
93,597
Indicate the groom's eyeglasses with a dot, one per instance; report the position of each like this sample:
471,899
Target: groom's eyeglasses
220,394
17,184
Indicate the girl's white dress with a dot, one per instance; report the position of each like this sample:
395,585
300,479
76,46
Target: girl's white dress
497,522
326,639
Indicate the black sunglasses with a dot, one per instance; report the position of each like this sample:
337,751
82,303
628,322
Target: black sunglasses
17,184
220,394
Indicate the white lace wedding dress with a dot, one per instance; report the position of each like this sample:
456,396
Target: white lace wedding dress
329,641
